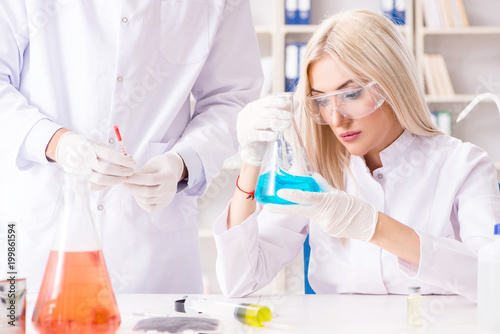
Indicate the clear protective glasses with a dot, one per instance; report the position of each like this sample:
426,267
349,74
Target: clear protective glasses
353,102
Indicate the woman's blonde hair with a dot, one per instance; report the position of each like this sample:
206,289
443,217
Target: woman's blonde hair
368,47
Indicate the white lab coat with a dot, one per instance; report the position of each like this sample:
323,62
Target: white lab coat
88,65
444,189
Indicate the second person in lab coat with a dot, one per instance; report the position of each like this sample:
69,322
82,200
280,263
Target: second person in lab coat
69,72
404,204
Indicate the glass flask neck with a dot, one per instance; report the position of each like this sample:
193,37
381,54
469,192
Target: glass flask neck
285,164
76,229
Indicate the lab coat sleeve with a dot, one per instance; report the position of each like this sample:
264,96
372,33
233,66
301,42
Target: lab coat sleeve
231,78
24,130
452,264
251,254
193,166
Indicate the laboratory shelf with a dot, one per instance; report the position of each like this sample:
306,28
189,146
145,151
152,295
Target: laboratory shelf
478,30
299,28
457,98
310,28
264,29
282,33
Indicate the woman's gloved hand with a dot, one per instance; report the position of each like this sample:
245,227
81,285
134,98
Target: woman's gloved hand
155,184
337,213
257,124
105,167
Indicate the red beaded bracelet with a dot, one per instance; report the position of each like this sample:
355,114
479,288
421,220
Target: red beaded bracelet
251,195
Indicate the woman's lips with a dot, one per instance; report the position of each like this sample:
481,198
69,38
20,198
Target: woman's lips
350,135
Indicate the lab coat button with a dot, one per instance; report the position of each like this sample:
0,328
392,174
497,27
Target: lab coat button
100,207
119,79
380,176
124,20
111,141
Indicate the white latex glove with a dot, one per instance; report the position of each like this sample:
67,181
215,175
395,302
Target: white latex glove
105,167
257,124
155,184
337,213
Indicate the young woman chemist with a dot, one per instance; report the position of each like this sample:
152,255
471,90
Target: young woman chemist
407,205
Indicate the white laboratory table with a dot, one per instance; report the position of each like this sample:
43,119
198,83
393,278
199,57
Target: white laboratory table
319,313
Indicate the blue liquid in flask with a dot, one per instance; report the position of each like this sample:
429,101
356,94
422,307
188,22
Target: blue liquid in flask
269,183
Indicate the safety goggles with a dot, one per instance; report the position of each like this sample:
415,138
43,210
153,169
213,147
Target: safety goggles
354,102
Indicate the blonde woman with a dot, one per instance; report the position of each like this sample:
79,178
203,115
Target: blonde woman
406,204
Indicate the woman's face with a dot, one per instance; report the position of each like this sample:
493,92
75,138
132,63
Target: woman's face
365,136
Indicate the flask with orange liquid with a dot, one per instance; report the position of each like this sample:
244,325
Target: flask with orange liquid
76,294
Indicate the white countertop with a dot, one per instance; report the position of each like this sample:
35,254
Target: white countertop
319,313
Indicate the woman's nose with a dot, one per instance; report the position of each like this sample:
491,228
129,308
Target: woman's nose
337,119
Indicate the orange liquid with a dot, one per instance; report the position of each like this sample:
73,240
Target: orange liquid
76,296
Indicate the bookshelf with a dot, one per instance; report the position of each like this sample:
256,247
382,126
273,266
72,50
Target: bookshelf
461,31
423,32
280,33
461,37
456,98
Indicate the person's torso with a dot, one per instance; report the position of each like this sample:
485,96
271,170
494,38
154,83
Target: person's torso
94,64
417,186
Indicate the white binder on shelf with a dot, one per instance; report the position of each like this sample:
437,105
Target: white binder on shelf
291,66
304,12
291,11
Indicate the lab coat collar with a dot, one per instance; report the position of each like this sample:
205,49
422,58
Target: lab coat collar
394,152
390,155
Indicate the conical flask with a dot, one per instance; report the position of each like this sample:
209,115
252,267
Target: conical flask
285,164
76,294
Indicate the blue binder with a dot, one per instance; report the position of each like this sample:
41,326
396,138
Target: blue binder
394,10
304,12
294,52
297,11
291,11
